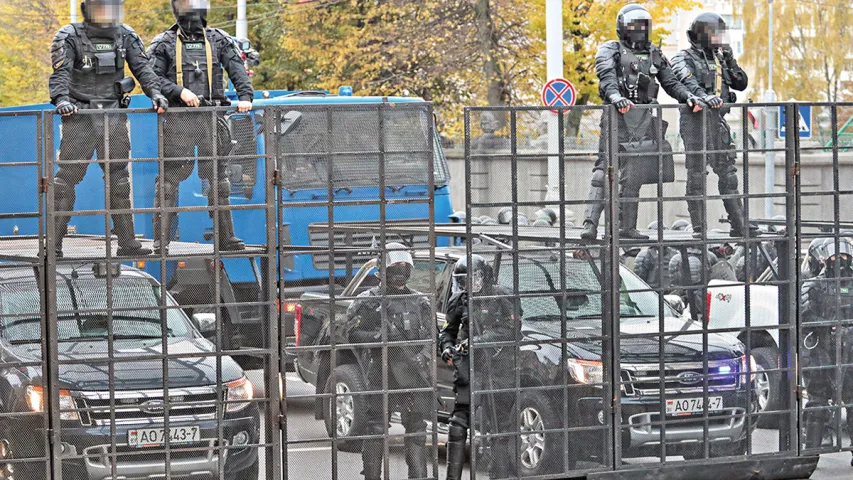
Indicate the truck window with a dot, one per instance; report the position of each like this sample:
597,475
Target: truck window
423,271
352,146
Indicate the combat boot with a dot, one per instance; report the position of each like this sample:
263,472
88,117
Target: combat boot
64,198
123,222
595,207
371,459
164,221
228,242
628,222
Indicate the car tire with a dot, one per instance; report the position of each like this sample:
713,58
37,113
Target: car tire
539,453
767,386
348,378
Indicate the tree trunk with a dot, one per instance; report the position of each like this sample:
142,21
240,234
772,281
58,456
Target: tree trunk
487,37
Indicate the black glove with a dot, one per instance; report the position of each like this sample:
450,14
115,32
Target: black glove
713,101
159,101
447,354
727,53
621,102
66,108
693,101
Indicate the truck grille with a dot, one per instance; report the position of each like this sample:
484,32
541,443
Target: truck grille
146,406
644,379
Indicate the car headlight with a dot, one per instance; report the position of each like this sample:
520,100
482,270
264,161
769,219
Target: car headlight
239,391
67,407
586,371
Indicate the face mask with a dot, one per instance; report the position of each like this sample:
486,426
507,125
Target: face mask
192,10
638,32
398,275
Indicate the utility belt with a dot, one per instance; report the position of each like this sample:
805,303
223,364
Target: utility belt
121,89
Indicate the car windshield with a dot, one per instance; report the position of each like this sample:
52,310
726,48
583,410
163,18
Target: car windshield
82,311
541,276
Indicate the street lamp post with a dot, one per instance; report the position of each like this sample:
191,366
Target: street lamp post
242,24
72,5
770,122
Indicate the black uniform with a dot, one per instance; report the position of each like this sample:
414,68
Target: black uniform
825,301
613,62
88,62
204,52
408,319
689,278
647,266
707,72
490,321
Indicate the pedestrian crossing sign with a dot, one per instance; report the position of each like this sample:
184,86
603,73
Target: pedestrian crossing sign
804,123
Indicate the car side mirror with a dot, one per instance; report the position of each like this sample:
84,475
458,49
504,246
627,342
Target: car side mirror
205,323
675,302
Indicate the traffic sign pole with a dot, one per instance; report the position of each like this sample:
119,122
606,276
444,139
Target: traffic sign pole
554,51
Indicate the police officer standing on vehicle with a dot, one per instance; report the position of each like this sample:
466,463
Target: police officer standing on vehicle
408,318
490,320
189,59
710,71
88,73
628,71
825,299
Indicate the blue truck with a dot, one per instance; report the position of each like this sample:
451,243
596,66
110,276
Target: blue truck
190,282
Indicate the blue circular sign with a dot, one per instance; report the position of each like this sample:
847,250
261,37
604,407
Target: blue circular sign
559,92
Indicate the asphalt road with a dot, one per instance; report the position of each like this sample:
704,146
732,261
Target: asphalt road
309,452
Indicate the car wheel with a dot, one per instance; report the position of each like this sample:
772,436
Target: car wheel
345,414
538,452
766,386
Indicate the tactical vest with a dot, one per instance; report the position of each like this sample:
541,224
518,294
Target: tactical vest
637,75
194,65
711,74
405,318
98,68
837,301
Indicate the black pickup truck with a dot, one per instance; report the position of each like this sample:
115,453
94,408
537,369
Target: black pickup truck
133,427
543,365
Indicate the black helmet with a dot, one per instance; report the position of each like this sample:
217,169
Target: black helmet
191,14
813,263
837,256
103,13
633,25
481,274
541,223
547,214
654,226
778,228
398,265
708,31
681,225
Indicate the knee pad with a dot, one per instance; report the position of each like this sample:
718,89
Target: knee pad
457,433
224,188
728,183
120,184
460,419
62,186
170,190
598,179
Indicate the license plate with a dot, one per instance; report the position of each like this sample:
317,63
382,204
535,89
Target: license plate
155,437
689,406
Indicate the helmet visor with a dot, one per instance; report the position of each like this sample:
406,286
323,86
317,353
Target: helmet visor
397,275
843,249
477,281
106,14
184,7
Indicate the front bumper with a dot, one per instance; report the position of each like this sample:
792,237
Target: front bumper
87,451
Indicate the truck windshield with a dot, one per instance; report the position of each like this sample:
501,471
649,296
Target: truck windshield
351,139
541,276
82,311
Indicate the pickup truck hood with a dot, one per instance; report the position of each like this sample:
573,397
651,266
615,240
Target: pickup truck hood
676,348
133,374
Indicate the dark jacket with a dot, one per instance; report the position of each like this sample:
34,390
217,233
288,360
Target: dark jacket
608,69
224,55
77,54
494,319
693,68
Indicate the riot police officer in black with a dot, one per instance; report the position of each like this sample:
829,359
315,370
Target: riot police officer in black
189,58
88,61
649,265
490,320
629,71
708,68
408,318
826,298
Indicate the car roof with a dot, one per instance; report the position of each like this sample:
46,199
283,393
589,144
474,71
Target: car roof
22,270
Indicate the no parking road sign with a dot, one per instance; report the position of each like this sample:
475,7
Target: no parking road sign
559,92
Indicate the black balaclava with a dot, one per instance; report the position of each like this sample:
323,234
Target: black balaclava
191,14
633,26
708,32
103,17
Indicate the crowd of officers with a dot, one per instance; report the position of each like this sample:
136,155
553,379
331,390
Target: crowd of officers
183,67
